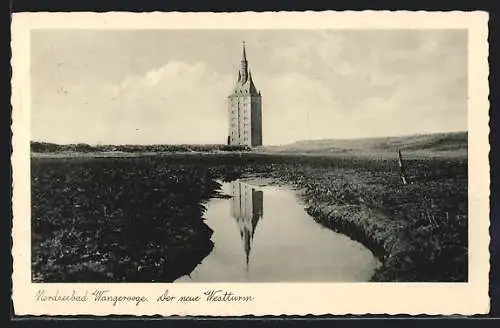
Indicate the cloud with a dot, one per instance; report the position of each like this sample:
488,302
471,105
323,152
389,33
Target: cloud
293,104
379,81
175,103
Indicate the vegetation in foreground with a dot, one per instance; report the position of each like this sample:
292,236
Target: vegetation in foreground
419,230
45,147
148,218
112,220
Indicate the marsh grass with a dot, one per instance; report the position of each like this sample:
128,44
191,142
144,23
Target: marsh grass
118,220
419,230
141,218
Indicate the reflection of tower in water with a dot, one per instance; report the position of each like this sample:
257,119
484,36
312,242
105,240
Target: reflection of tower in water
247,209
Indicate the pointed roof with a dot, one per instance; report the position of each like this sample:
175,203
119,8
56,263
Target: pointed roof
251,86
244,84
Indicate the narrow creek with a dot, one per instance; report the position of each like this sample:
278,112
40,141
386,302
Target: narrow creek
263,234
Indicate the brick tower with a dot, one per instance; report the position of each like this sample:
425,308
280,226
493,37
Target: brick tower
245,109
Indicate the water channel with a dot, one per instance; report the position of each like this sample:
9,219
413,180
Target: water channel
263,234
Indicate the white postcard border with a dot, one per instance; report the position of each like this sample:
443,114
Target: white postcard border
269,298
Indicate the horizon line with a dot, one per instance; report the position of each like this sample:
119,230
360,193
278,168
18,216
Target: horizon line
270,145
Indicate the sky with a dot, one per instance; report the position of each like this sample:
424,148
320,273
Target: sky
171,86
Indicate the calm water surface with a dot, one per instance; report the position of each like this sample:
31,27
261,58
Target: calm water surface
263,234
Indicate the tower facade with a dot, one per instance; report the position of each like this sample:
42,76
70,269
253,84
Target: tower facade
245,109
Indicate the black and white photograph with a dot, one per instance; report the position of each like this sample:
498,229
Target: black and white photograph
249,155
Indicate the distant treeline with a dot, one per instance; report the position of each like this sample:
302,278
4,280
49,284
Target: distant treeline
44,147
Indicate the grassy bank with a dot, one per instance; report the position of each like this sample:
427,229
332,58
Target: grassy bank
69,149
112,220
422,146
419,231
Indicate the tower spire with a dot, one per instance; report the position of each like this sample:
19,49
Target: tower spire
244,57
244,65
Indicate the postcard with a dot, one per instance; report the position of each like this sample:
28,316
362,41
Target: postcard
227,164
